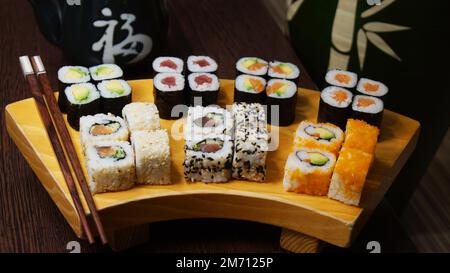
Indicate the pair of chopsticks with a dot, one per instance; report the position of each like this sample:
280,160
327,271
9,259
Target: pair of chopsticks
36,76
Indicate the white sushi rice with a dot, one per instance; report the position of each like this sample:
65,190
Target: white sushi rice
208,167
141,116
105,93
290,91
330,78
328,93
240,82
296,161
213,86
381,91
117,72
191,128
260,72
179,82
87,122
93,93
164,69
193,66
294,75
305,128
107,174
62,72
374,108
152,152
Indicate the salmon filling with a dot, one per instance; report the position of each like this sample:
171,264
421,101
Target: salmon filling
371,87
342,78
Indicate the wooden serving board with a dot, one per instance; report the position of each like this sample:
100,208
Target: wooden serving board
319,217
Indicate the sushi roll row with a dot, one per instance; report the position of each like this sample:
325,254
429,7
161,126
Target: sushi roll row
202,87
209,146
270,83
354,162
98,89
310,166
211,155
123,152
338,103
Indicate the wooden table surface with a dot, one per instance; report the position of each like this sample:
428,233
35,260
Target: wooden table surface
30,222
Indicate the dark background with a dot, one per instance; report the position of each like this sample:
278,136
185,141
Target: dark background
225,30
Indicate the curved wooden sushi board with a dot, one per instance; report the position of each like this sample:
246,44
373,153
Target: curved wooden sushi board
303,217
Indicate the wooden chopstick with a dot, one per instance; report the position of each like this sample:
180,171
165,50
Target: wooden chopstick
53,136
57,116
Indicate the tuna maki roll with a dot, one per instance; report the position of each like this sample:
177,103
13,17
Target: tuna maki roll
201,64
341,78
249,89
105,72
115,94
252,66
334,106
168,65
282,70
281,98
68,75
203,89
169,92
371,88
83,99
369,109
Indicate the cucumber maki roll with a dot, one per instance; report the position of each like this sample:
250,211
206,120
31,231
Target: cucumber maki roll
105,72
251,66
83,100
169,92
68,75
249,89
281,94
115,94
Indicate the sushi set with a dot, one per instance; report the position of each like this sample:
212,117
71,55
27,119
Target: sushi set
336,152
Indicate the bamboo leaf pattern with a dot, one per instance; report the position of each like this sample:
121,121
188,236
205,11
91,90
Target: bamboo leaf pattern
377,41
383,27
362,46
375,9
293,8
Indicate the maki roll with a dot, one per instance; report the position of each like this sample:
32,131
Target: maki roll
169,92
349,176
207,121
141,116
203,89
201,64
115,94
369,109
168,65
102,127
361,136
152,152
334,106
371,88
309,171
251,142
208,159
282,70
110,166
283,95
105,72
341,78
68,75
251,66
323,136
249,89
83,99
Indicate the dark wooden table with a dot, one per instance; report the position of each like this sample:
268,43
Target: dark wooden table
224,29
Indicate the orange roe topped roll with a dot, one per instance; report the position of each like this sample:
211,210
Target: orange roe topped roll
361,136
324,136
